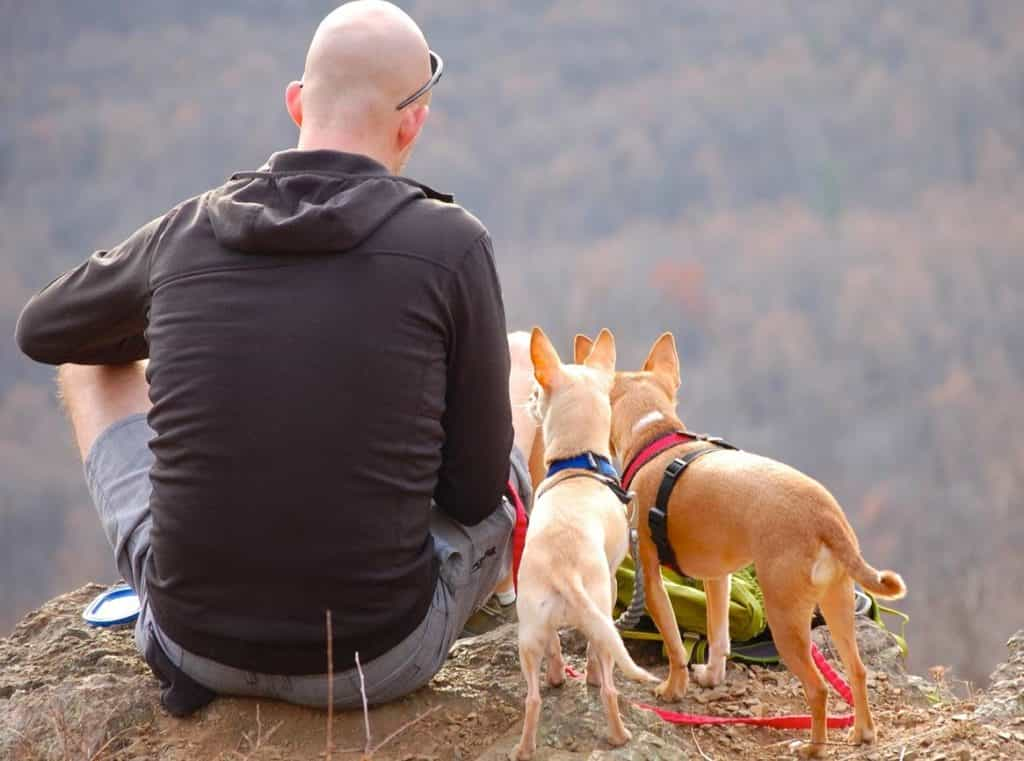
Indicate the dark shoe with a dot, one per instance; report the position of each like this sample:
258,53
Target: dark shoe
492,615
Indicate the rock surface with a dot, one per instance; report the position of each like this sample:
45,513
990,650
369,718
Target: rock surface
70,691
1004,699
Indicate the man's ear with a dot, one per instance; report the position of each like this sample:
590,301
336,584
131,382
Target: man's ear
547,367
602,354
581,346
413,118
664,360
293,102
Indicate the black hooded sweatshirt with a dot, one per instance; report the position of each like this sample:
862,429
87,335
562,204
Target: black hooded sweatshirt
327,355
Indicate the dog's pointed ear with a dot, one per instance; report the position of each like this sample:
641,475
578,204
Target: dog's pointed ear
547,367
581,346
663,359
602,354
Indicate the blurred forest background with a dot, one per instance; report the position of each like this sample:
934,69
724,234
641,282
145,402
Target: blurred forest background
824,201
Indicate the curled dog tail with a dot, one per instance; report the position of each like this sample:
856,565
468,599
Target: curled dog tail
600,630
887,584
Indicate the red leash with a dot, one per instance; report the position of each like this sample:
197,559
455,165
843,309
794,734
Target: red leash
797,721
518,534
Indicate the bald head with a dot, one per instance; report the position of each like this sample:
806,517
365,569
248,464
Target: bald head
365,58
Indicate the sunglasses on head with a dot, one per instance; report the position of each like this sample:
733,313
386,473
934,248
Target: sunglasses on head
436,69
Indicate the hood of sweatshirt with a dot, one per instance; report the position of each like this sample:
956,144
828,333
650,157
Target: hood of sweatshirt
303,202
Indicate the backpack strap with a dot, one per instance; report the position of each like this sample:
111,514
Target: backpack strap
657,517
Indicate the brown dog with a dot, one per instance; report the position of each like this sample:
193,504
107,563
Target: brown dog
729,509
577,537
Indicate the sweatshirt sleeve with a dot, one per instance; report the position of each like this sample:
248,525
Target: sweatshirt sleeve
97,313
478,419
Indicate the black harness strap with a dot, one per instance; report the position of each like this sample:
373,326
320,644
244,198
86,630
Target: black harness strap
625,497
657,517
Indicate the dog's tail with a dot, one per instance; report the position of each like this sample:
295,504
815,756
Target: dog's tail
839,537
601,631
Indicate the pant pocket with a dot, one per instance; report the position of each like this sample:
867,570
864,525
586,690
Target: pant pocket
465,553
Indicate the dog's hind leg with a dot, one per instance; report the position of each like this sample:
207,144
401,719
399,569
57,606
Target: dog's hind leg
790,622
837,607
717,592
593,666
530,651
593,662
617,732
556,664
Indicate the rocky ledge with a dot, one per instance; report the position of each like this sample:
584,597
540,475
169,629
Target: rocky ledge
69,691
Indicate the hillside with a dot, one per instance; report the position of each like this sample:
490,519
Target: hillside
71,691
822,201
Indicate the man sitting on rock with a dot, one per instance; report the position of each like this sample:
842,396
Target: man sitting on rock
324,422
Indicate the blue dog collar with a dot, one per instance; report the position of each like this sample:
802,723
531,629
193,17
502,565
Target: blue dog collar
585,461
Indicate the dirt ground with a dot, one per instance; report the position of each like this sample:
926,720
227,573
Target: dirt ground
70,691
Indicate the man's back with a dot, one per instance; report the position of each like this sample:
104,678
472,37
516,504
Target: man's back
309,330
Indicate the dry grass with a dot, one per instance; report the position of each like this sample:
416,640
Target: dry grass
54,730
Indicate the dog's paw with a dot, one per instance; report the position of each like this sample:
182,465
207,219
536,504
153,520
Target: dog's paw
556,677
708,676
616,740
521,753
862,735
811,750
671,691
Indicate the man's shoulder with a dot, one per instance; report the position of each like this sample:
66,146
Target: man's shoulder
437,228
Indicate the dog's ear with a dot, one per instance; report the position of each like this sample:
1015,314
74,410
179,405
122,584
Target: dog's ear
581,346
602,354
664,360
547,367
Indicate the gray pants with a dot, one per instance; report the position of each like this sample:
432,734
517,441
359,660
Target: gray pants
117,472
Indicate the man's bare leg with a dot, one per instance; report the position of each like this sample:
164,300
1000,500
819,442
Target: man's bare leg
520,386
97,396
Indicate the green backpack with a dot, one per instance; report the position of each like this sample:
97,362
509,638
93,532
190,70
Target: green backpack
748,627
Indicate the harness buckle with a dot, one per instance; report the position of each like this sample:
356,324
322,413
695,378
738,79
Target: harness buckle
674,468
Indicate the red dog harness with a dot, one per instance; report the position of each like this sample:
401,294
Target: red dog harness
657,516
663,444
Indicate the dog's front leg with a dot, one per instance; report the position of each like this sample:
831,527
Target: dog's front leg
556,664
661,611
717,593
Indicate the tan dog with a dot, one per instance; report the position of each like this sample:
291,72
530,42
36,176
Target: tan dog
729,509
578,536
